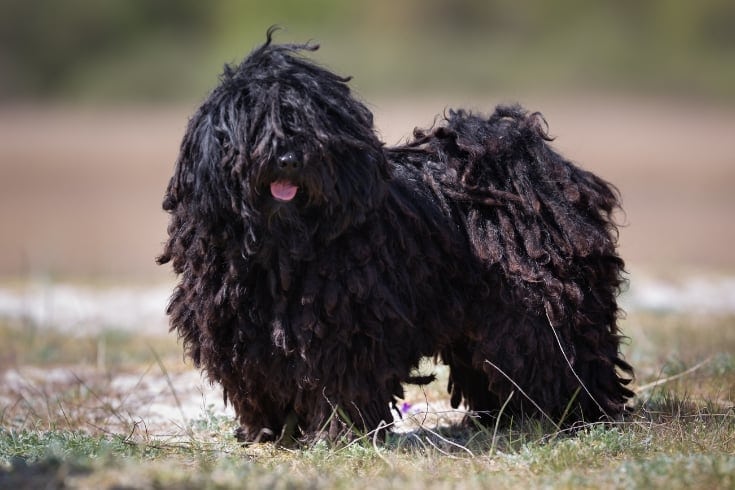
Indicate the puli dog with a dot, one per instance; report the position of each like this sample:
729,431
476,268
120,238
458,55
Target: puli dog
318,266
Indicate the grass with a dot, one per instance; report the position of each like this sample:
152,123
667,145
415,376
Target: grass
85,431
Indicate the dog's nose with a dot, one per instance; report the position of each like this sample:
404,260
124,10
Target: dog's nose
289,161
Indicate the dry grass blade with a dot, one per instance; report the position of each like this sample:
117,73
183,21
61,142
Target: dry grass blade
187,425
574,372
381,426
494,442
451,443
668,379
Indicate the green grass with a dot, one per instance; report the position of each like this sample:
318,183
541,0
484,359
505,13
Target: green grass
680,434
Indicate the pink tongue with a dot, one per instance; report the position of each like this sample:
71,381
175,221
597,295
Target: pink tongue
283,190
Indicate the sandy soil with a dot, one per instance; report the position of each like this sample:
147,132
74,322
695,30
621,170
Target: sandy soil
80,188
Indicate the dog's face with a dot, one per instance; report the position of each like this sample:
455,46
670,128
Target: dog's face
281,139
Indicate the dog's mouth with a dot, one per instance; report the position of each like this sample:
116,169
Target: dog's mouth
283,190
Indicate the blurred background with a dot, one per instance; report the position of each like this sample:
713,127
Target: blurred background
94,98
171,50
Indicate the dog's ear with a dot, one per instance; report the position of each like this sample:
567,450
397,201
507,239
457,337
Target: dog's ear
205,157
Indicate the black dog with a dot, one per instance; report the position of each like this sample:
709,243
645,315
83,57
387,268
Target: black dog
317,266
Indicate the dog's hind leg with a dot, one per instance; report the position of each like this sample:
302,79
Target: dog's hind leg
469,385
522,367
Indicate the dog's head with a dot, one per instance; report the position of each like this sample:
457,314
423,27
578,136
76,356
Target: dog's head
281,144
